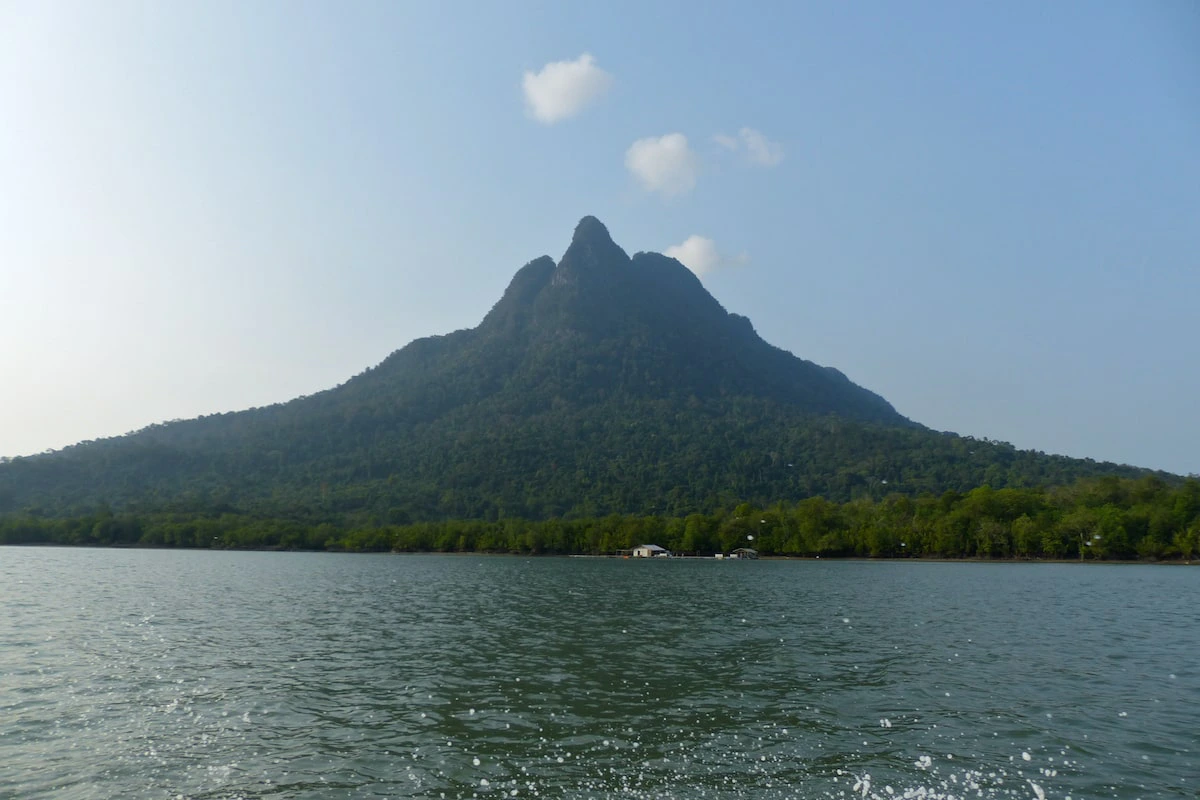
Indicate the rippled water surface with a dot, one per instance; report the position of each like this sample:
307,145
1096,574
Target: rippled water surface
165,674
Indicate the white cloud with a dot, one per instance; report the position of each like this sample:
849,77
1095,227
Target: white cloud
562,88
728,142
700,255
665,164
759,149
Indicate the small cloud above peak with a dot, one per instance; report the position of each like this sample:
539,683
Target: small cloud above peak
728,142
561,89
700,255
758,148
663,164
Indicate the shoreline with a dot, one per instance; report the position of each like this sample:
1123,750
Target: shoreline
612,557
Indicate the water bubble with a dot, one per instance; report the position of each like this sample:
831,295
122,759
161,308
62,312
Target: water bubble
1026,757
475,761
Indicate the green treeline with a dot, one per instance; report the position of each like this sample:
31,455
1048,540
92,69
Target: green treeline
1096,519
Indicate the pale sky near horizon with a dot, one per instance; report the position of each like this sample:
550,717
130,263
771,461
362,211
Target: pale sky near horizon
987,213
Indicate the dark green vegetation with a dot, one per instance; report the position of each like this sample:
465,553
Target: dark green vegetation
600,385
1106,518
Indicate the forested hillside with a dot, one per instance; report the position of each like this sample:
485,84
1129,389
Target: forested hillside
597,385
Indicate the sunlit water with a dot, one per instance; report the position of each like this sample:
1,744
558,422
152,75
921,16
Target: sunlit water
164,674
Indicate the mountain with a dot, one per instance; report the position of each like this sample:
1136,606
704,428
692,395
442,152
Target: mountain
598,384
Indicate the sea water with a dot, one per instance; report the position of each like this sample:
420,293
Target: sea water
176,674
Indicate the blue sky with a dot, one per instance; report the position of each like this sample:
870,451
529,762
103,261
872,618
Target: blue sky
987,213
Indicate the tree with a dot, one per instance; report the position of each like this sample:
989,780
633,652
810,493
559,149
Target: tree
1188,542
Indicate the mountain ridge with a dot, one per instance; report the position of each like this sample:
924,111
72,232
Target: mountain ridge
598,383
